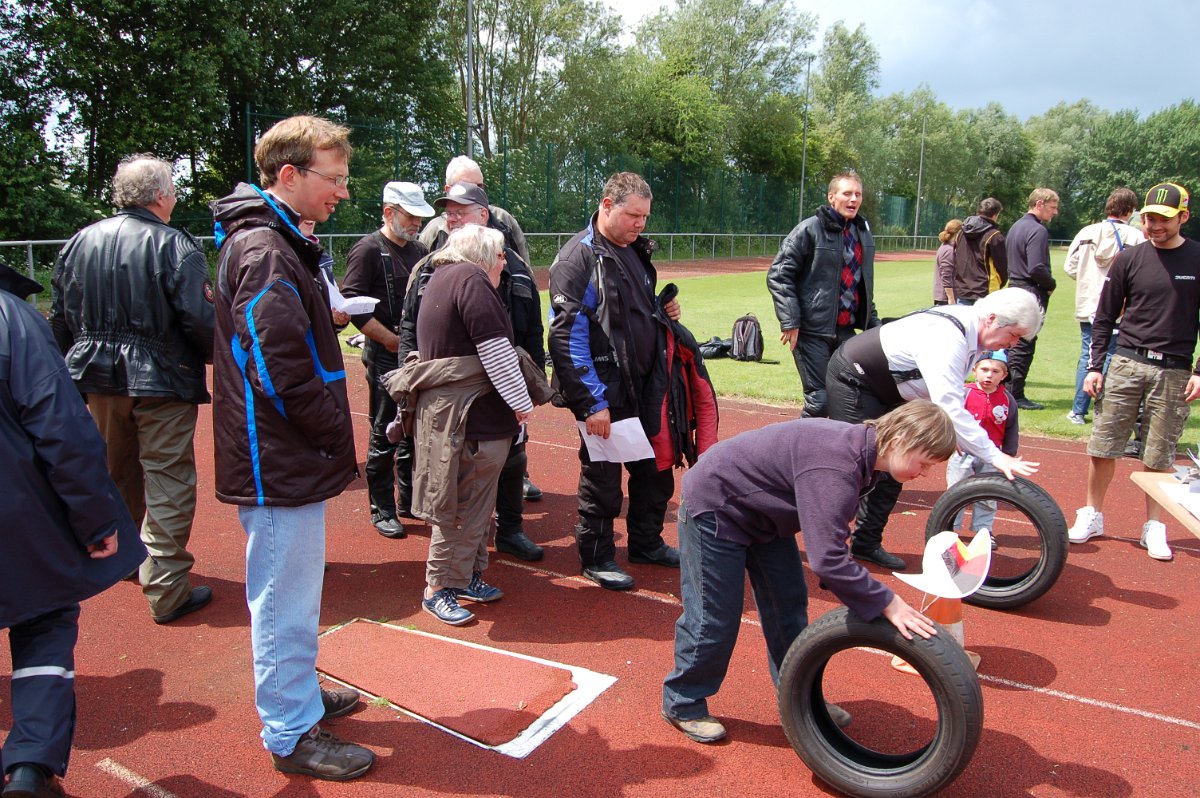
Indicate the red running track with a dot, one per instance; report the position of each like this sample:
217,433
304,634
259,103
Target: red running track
1090,691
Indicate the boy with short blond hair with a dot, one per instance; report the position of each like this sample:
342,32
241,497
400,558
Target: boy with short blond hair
996,411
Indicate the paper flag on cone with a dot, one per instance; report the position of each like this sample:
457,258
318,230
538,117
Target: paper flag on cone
950,569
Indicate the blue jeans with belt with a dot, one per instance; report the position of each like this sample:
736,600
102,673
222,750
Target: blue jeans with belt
712,586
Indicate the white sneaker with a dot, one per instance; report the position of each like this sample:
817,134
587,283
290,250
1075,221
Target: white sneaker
1154,541
1088,524
1076,419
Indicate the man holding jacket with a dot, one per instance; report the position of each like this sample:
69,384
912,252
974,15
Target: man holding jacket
603,344
822,282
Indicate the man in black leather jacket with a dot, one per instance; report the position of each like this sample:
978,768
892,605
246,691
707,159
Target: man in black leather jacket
822,282
132,311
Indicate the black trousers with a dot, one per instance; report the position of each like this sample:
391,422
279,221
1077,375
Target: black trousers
510,498
1020,355
43,691
600,503
851,399
812,355
389,465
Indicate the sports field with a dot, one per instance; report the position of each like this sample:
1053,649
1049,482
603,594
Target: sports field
1088,691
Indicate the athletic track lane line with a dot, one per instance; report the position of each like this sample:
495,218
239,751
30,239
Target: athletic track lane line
665,598
137,782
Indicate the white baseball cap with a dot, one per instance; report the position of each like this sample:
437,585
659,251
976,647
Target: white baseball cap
408,196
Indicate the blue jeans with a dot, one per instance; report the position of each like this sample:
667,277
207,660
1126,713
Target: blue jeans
712,585
959,467
1082,402
285,568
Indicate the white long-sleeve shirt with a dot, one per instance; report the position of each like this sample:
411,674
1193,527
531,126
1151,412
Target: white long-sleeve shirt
945,358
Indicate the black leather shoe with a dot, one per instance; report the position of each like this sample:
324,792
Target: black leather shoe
608,575
198,600
531,492
1029,404
390,528
880,556
664,555
338,701
31,781
519,545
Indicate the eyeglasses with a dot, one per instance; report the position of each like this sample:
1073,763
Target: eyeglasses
341,181
462,213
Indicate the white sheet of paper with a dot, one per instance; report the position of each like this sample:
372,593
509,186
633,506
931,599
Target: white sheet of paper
349,305
626,442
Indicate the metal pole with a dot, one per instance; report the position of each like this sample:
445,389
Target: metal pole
804,140
470,75
920,174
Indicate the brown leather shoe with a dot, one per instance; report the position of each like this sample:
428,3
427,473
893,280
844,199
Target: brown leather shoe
703,730
323,756
339,701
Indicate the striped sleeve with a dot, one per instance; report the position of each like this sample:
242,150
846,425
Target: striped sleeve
500,362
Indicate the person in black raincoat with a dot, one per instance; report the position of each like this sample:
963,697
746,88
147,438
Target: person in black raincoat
66,536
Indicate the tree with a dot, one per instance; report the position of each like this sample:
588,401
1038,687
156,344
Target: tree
1056,137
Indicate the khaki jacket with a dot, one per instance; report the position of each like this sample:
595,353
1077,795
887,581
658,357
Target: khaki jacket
433,398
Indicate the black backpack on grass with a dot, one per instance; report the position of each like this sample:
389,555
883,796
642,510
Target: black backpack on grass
747,339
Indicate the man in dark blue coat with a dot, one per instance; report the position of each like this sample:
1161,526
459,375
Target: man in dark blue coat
63,540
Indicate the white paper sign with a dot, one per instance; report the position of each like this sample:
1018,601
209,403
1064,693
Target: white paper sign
626,442
351,306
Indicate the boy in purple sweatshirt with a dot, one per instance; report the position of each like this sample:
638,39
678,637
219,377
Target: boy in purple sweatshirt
741,507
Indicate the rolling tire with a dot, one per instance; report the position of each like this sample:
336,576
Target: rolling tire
841,761
1009,592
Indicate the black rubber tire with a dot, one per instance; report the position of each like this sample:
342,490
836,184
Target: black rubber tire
841,761
1009,592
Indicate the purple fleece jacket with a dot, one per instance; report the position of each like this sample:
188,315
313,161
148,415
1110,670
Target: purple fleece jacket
799,476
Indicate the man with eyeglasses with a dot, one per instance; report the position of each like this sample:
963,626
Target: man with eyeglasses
463,169
465,204
282,431
379,266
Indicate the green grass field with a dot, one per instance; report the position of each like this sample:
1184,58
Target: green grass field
710,305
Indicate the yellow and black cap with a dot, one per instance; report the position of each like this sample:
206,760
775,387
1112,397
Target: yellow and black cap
1166,199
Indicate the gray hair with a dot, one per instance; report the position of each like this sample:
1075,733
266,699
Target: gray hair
459,164
471,243
140,179
623,185
1013,307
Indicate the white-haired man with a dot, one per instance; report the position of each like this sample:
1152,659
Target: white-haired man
133,313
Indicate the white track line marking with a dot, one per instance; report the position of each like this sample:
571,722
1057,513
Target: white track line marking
589,685
137,782
666,598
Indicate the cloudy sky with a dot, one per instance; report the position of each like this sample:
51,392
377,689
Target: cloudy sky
1025,54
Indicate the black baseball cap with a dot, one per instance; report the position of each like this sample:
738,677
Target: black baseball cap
1166,199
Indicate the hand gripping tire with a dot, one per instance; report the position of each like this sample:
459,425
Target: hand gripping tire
843,762
1008,588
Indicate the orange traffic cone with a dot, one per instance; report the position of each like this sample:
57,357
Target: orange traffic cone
948,613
